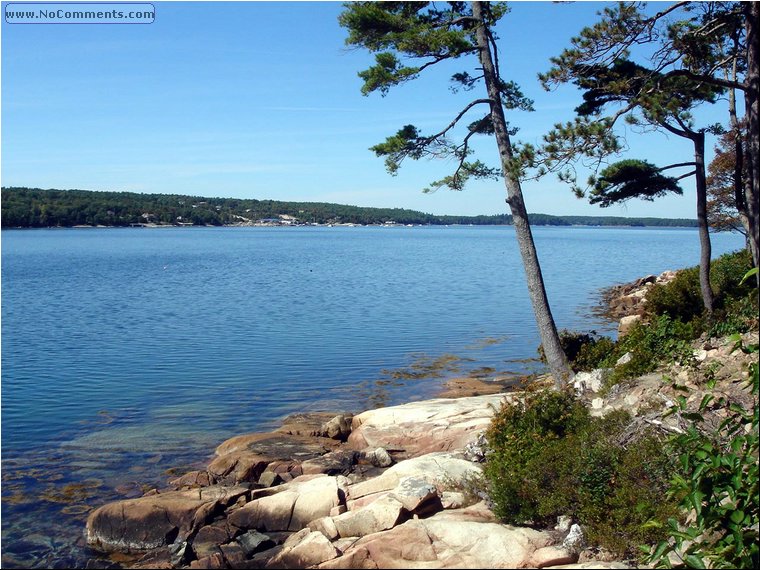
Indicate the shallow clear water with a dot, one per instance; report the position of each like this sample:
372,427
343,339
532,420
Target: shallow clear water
127,352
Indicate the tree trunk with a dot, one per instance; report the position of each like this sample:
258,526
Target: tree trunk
555,356
752,108
705,248
740,199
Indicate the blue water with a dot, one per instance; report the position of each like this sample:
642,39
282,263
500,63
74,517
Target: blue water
126,352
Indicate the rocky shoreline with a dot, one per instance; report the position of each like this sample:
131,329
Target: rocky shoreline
386,488
625,302
382,489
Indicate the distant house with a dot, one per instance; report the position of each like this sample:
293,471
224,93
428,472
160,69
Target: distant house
288,220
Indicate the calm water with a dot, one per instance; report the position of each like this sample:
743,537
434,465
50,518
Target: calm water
127,352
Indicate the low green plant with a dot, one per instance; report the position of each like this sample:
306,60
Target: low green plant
736,298
717,487
550,457
679,299
662,339
584,351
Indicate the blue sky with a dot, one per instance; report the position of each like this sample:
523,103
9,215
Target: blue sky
262,100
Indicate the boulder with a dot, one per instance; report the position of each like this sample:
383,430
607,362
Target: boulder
156,520
361,502
318,424
266,514
382,514
626,323
434,468
193,479
270,479
625,359
333,463
290,507
574,540
590,381
316,498
326,526
252,542
450,543
378,457
234,555
208,539
477,450
552,556
452,500
423,427
413,492
305,549
338,427
212,562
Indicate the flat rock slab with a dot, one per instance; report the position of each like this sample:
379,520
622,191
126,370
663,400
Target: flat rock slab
423,427
438,469
156,520
278,446
245,457
291,507
318,424
433,543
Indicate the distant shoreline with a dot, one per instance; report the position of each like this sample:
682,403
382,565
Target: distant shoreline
39,208
178,226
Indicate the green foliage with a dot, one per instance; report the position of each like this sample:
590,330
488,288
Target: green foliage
717,486
736,300
584,351
550,458
426,34
661,340
674,318
628,179
680,298
518,436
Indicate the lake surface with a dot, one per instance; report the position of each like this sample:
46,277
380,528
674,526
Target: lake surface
129,352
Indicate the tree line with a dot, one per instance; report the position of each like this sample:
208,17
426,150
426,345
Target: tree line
39,208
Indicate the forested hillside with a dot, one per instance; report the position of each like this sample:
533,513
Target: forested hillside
38,208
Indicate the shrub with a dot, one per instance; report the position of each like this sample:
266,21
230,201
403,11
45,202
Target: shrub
518,435
601,352
727,272
664,339
680,299
584,351
550,457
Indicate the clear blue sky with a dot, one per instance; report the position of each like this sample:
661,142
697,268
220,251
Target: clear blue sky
262,100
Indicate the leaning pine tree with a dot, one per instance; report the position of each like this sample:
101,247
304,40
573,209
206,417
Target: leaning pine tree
430,34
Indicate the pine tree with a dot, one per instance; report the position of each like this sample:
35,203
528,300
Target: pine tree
431,34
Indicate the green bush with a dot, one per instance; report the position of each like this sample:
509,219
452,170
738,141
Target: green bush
596,354
727,272
584,351
680,299
550,458
736,302
663,339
